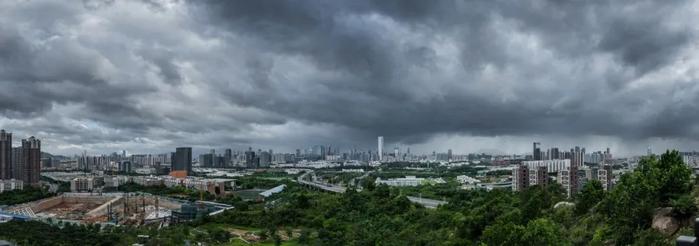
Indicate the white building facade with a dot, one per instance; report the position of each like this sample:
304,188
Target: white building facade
552,166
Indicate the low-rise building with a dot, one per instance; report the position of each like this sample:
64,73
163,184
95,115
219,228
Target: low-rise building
147,181
82,184
11,184
115,181
407,181
463,179
272,191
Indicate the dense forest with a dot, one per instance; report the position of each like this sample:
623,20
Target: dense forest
28,194
380,215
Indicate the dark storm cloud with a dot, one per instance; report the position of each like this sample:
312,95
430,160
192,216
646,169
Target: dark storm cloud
639,36
167,72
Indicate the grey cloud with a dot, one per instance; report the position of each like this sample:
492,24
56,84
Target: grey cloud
243,72
376,66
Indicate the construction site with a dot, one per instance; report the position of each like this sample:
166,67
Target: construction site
114,208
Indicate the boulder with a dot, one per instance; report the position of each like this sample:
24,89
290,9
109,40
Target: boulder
664,222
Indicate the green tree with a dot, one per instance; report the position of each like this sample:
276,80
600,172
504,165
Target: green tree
655,183
684,206
537,200
304,237
544,232
504,234
591,194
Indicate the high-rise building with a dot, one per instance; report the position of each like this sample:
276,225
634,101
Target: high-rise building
250,158
17,163
449,155
536,152
31,155
524,176
125,167
538,176
607,155
520,178
380,148
227,158
182,160
605,175
5,155
555,154
265,159
568,178
206,160
578,158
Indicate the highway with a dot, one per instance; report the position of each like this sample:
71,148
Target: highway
323,186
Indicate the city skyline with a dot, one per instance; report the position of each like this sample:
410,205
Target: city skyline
423,75
520,150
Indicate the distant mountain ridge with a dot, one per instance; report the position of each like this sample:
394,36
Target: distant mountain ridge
49,155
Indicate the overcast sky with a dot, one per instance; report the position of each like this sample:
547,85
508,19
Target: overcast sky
150,75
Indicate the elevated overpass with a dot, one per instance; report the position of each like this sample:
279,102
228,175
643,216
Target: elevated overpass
319,185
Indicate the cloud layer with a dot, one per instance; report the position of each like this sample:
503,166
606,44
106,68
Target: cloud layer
151,75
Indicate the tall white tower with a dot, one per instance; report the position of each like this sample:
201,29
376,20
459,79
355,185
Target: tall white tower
380,148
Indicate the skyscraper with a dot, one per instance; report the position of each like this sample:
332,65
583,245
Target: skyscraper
206,160
17,163
182,160
555,154
227,158
265,159
380,149
31,155
578,158
5,155
250,158
536,152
